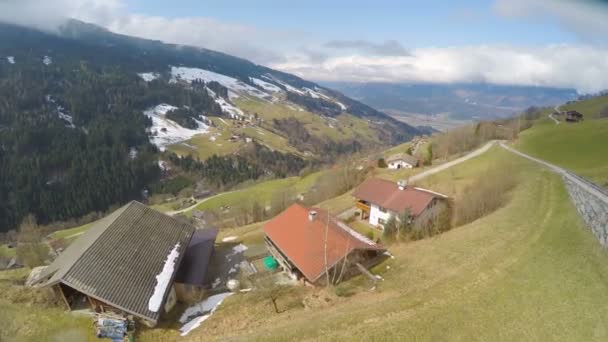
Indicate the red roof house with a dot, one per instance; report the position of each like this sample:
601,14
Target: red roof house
310,242
380,198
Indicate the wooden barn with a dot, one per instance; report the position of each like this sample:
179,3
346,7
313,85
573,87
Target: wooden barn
127,263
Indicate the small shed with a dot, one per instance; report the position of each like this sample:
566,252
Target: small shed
191,278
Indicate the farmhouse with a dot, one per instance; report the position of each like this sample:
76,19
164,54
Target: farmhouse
310,243
127,263
573,116
402,161
379,199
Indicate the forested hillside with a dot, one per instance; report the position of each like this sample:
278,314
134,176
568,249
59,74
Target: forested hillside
86,115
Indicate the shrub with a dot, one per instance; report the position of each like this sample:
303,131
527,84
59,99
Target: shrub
486,194
382,163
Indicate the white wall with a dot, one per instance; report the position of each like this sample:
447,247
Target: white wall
375,214
399,164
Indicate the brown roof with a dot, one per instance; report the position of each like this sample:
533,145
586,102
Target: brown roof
387,195
303,240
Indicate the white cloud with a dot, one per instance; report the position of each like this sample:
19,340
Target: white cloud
588,19
236,39
580,67
48,15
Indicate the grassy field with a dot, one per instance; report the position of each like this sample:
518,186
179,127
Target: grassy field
530,271
580,147
27,315
345,126
7,252
71,232
205,145
262,192
589,108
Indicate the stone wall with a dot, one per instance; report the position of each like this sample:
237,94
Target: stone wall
591,203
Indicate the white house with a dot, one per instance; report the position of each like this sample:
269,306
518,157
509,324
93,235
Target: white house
379,199
401,161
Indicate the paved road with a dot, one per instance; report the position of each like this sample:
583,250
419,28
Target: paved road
587,185
176,212
557,109
452,163
351,211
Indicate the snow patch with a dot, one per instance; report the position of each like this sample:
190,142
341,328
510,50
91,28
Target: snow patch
341,105
206,308
166,132
11,59
60,112
237,87
133,153
229,238
47,60
240,248
163,279
149,76
226,106
267,86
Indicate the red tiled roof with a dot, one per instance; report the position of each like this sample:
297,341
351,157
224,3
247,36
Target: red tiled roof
387,195
303,241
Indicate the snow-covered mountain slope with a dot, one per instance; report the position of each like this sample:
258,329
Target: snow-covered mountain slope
203,83
165,132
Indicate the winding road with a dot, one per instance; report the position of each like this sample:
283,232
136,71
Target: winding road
553,117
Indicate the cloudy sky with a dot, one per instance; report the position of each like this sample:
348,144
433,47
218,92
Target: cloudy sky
529,42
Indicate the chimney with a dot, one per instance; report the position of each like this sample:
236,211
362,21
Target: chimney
312,215
402,184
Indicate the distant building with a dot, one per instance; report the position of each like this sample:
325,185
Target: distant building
379,199
310,243
127,263
573,116
402,161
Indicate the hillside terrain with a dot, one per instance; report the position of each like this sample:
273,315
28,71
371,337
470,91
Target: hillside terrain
86,115
579,147
443,106
484,280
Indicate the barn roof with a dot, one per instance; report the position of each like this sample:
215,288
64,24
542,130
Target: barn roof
194,266
388,195
124,259
303,240
403,156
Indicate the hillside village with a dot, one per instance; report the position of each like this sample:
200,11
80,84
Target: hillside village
343,250
387,171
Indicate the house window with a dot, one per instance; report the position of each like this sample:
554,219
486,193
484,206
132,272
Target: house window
382,210
381,221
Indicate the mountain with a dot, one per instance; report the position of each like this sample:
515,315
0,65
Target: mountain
444,105
86,115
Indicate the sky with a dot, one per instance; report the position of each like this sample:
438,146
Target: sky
523,42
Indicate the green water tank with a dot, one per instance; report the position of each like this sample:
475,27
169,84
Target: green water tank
271,263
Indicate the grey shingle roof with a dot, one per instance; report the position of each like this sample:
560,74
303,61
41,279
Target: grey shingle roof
118,258
403,156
